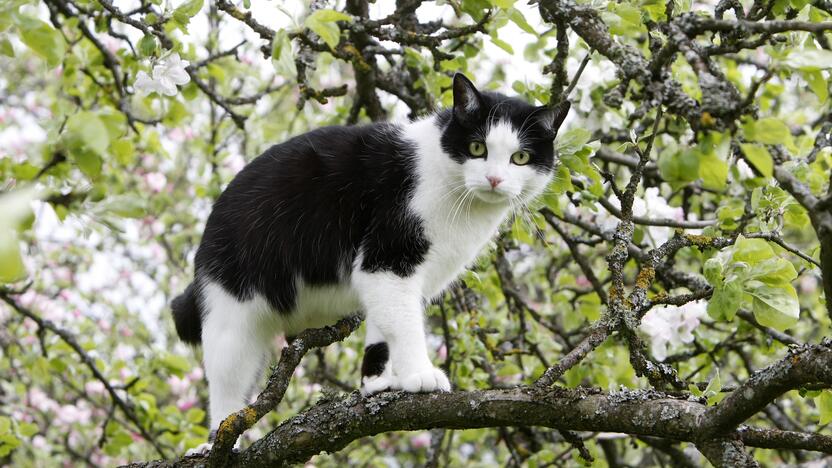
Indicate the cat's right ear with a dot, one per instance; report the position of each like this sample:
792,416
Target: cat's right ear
468,101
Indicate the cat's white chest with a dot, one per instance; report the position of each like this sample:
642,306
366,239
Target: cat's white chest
455,245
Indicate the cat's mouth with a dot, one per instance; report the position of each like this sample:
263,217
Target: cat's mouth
492,196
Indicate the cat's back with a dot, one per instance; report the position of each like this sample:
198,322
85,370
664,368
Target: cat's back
328,158
301,209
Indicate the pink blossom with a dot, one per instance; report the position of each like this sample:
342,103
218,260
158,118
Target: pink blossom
671,326
94,387
39,442
582,282
70,414
100,459
156,181
808,284
196,374
420,440
185,404
312,388
178,386
235,163
442,353
28,298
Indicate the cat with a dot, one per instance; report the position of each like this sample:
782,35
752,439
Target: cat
377,218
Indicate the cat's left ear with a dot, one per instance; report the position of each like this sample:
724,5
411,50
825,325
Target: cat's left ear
468,102
552,117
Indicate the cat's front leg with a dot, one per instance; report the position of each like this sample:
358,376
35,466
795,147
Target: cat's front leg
396,355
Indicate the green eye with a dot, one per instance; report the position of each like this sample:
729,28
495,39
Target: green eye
521,158
476,148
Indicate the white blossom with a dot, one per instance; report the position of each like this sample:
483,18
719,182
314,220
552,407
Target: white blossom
167,74
670,327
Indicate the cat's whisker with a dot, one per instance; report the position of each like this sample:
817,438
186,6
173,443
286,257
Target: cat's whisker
456,205
458,209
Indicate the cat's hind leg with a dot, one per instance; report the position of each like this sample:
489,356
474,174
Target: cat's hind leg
236,338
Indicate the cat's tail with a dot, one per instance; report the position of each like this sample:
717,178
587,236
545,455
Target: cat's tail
187,316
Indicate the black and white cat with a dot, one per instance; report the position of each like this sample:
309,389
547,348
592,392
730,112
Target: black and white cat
377,218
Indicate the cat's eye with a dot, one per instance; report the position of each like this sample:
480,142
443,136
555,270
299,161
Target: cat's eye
521,158
477,148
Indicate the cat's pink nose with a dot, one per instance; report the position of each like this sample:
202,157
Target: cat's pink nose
494,181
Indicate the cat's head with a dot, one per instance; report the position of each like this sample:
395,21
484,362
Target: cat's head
504,146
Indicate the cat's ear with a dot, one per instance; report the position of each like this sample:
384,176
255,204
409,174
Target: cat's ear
468,101
551,117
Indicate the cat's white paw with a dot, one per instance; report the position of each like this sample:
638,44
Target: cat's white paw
378,383
429,380
201,449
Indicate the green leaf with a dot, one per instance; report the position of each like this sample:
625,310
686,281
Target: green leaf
85,129
713,271
751,251
773,271
562,181
8,442
713,172
503,3
6,47
184,12
796,216
323,23
176,364
195,415
89,162
623,19
147,45
509,369
770,131
502,44
516,16
759,157
817,84
573,140
126,206
329,16
25,171
655,9
824,404
282,57
589,305
713,390
124,151
679,167
15,208
774,306
725,302
809,59
43,39
27,429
